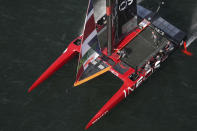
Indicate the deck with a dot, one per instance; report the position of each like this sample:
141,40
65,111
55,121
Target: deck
143,47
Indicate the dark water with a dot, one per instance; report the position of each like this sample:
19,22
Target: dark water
34,33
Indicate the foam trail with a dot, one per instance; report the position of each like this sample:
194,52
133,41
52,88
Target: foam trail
139,1
191,39
193,29
80,31
99,9
193,26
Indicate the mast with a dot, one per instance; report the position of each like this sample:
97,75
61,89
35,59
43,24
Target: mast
109,27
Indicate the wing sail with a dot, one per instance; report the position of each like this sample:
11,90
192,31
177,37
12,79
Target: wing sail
124,14
90,50
95,68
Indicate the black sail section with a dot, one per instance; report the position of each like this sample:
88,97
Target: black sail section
124,18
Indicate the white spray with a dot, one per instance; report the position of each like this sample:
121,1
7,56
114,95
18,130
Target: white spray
191,39
193,29
99,9
139,1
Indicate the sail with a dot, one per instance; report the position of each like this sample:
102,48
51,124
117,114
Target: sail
90,50
124,18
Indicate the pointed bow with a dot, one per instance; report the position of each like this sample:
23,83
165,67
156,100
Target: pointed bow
67,55
114,100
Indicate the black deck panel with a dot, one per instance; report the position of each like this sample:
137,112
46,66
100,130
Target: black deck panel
170,30
176,34
143,12
142,48
173,32
121,67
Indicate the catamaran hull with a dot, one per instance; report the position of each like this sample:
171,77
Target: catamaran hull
132,77
68,54
127,88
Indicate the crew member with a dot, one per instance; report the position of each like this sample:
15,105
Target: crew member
158,61
147,66
122,53
154,36
169,47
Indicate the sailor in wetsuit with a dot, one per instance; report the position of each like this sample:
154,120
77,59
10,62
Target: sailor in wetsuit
147,66
121,53
154,36
158,61
169,47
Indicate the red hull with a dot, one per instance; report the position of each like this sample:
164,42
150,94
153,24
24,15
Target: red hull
71,50
128,84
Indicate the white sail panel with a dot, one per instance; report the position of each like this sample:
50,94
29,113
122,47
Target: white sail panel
90,48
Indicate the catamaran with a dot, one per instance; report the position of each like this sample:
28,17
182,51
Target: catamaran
129,41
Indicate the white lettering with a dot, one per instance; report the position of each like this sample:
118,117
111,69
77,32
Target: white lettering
130,2
139,81
65,50
100,117
129,89
125,4
126,92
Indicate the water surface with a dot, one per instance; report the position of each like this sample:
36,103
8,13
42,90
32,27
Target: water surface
34,33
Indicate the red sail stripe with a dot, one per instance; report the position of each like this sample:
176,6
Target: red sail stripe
89,27
79,73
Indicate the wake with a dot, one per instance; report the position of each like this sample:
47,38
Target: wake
193,29
191,39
